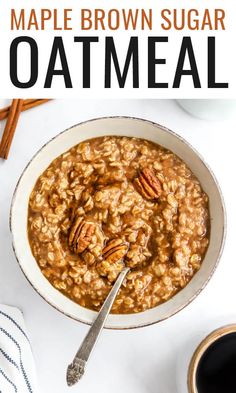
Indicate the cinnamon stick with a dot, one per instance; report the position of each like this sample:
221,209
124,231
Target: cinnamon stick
27,104
10,128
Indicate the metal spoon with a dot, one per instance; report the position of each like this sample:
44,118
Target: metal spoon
76,369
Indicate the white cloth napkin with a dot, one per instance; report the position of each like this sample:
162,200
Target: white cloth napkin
17,370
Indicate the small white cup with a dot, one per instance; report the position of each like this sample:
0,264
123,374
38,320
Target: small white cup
212,109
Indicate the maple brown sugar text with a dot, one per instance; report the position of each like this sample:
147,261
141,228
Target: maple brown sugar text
115,19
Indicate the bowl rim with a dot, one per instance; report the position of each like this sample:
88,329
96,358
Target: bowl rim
181,139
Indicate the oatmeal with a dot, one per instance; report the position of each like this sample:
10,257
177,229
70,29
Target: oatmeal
112,202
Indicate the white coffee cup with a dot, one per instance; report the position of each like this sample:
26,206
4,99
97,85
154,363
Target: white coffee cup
212,109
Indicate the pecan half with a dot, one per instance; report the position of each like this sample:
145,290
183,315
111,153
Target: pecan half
115,250
148,184
80,235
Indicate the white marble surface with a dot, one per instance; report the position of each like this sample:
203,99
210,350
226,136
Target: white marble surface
147,360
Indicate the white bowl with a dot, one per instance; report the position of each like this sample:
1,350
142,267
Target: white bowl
123,126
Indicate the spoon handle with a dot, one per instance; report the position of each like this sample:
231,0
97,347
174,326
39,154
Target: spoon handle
76,369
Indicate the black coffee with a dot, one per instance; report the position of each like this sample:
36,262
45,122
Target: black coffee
216,372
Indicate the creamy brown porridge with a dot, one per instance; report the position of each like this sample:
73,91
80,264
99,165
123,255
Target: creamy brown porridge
115,201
